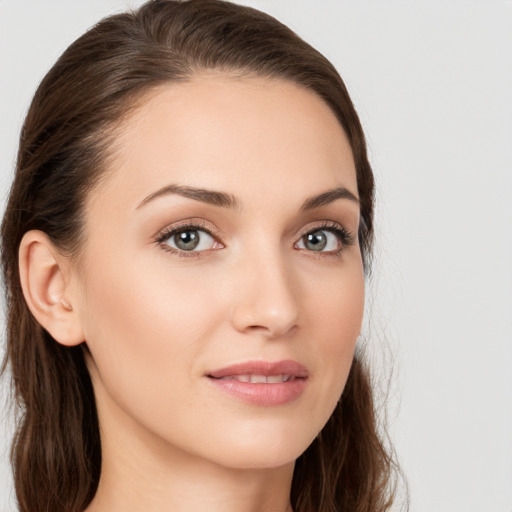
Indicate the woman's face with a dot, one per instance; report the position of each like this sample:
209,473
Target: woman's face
221,287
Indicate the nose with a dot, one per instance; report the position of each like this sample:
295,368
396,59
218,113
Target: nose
266,297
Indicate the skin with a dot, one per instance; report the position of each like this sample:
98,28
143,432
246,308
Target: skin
156,322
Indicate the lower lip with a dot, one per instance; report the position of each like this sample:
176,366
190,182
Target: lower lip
262,394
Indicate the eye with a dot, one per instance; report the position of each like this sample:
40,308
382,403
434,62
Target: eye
327,239
191,239
321,240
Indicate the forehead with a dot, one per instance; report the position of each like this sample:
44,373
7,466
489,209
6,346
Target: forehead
231,133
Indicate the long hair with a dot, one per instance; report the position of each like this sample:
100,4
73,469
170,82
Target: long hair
64,146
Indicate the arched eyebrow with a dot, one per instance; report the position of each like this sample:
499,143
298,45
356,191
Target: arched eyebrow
225,200
328,197
198,194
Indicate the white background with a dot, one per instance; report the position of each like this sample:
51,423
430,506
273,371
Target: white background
432,81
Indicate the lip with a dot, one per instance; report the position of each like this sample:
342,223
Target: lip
262,394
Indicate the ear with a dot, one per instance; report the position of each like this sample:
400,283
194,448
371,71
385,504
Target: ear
44,275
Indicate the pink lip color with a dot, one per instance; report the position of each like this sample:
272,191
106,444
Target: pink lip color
263,394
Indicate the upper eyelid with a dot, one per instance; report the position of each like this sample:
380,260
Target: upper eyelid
324,224
321,224
185,225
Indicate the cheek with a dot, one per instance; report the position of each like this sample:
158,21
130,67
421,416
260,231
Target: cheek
145,329
336,306
337,312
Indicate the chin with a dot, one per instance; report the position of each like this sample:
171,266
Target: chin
262,448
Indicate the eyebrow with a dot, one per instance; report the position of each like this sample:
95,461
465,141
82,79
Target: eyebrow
328,197
198,194
225,200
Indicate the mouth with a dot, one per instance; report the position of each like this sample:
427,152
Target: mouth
284,370
262,383
258,379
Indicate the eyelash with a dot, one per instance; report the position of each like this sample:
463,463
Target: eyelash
174,230
344,236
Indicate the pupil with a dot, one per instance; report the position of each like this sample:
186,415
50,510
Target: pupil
316,241
187,240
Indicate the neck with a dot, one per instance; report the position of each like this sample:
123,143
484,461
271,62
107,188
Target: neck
141,472
131,483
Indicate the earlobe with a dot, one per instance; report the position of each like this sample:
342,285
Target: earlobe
44,281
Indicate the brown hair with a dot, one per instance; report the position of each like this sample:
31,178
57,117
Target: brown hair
64,145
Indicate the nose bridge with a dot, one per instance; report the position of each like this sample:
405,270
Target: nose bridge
267,298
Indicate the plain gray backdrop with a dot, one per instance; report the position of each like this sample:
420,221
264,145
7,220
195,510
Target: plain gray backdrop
432,83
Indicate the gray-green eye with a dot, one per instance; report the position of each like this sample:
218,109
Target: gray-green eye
190,240
321,240
187,240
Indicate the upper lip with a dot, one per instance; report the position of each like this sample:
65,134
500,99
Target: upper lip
267,368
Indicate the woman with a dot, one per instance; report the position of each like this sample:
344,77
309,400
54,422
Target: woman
184,251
